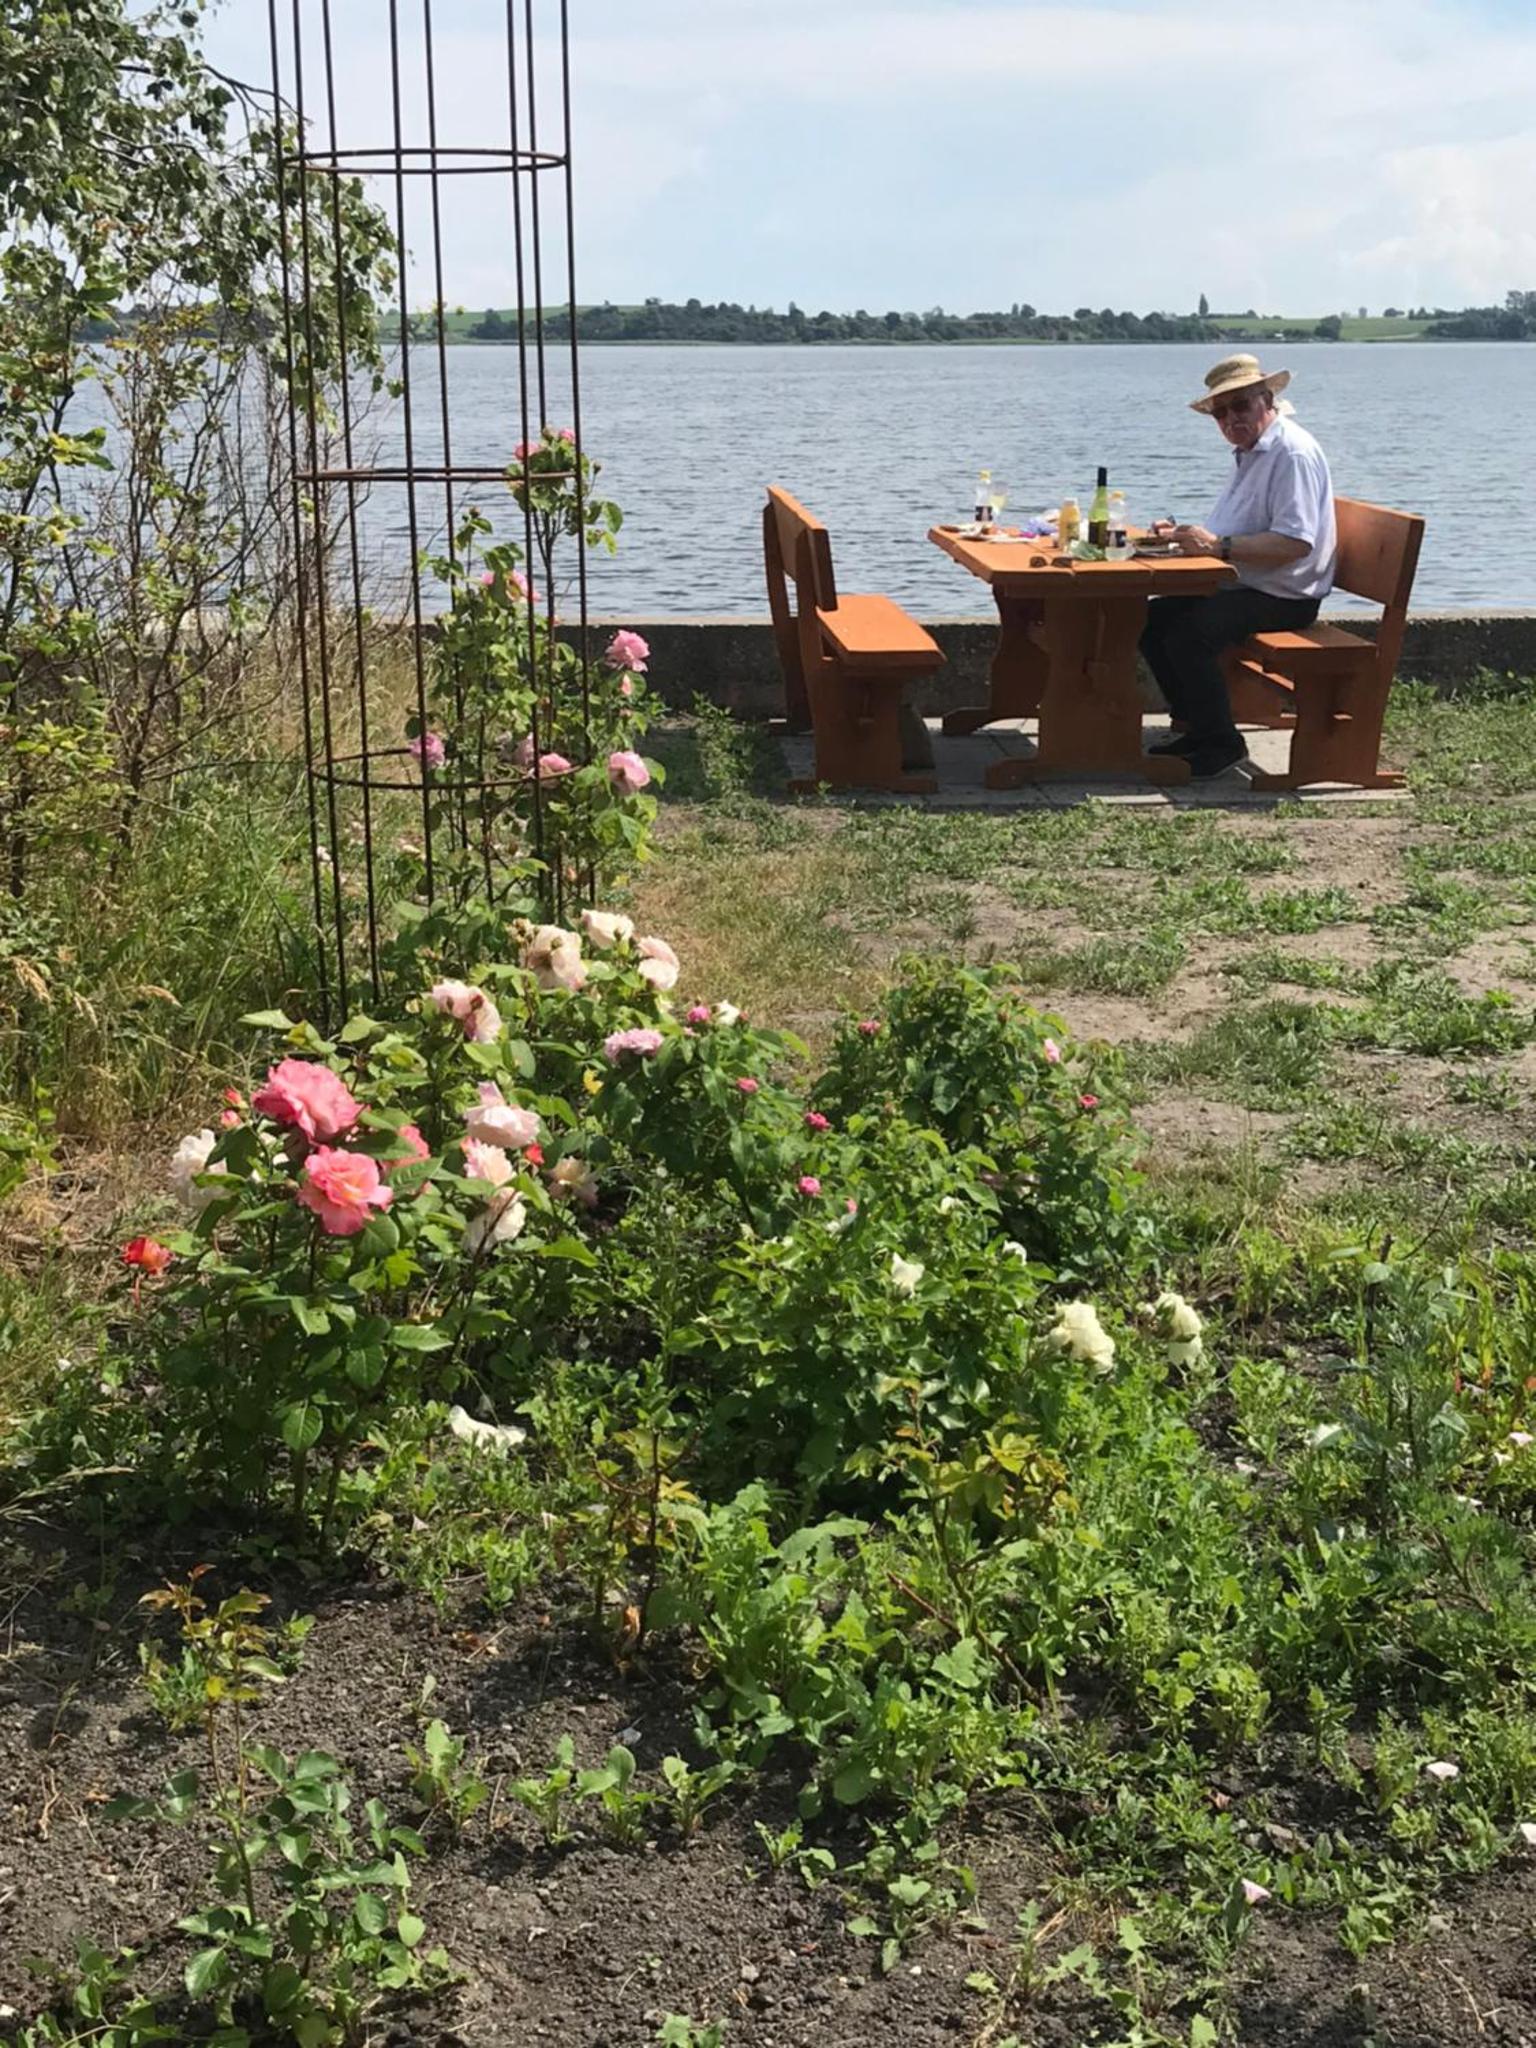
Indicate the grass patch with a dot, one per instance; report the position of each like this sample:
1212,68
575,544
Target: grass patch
1138,966
1483,736
1273,1055
1267,965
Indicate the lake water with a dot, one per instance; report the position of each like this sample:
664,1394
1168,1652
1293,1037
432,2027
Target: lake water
882,443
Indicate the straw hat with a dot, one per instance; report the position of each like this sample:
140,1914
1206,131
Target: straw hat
1237,373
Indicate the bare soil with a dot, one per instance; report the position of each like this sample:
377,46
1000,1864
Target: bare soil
590,1946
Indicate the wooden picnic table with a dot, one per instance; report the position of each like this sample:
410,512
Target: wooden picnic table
1066,652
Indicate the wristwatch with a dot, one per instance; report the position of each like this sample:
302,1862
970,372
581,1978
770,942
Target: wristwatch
1224,547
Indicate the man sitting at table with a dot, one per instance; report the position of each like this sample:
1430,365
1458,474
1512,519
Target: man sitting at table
1274,523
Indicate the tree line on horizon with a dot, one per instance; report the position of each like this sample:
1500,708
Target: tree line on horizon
695,320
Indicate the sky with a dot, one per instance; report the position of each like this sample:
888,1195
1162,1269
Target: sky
1304,158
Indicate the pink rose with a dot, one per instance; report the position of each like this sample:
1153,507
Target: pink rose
309,1098
699,1014
486,1162
815,1121
495,1121
627,687
659,965
565,434
429,747
747,1085
1087,1102
868,1026
412,1146
341,1188
627,651
553,957
809,1186
605,928
471,1008
553,764
641,1041
628,773
1050,1052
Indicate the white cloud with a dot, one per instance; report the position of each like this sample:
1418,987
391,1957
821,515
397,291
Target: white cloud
1138,151
1463,215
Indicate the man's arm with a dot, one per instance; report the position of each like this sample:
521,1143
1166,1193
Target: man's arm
1258,550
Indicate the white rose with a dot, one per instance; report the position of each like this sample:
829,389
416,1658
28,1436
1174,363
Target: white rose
189,1160
491,1436
1078,1331
905,1275
499,1222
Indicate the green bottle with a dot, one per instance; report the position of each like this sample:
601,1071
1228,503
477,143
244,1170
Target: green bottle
1098,513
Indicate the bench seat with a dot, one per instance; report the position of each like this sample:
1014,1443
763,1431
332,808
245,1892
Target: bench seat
874,632
1320,645
846,660
1327,685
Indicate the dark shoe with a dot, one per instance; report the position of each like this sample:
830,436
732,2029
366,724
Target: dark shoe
1214,758
1176,743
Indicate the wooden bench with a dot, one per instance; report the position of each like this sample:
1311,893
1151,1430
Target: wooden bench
846,660
1330,686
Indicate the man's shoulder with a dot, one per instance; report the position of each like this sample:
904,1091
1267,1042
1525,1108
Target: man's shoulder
1297,442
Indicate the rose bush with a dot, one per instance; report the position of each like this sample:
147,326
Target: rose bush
529,743
550,1187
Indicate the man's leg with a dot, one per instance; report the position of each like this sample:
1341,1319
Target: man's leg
1190,648
1165,616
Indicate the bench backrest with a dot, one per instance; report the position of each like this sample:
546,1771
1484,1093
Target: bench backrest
797,551
1378,554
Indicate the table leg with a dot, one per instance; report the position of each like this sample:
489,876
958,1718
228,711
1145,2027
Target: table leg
1090,715
1016,680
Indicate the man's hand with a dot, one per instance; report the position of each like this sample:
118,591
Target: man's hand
1196,540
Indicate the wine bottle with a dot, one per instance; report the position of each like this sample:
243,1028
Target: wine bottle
1098,513
984,498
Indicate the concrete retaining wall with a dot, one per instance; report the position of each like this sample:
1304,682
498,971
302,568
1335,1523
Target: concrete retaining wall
733,661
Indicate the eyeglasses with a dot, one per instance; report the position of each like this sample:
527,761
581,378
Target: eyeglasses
1235,406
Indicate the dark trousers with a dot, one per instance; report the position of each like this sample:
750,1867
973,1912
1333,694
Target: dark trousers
1184,640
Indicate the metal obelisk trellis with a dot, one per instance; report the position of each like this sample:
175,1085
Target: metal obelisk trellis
354,773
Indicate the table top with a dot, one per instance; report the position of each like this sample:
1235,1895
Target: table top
1037,569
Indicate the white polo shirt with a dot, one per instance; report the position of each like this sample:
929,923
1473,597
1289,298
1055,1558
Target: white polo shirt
1281,485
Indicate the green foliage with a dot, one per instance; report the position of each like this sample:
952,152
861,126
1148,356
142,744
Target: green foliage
678,2031
960,1052
329,1934
442,1783
131,171
526,724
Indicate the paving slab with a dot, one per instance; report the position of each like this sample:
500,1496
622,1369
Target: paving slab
961,761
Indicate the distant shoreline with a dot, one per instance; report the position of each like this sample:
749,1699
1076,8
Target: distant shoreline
452,340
